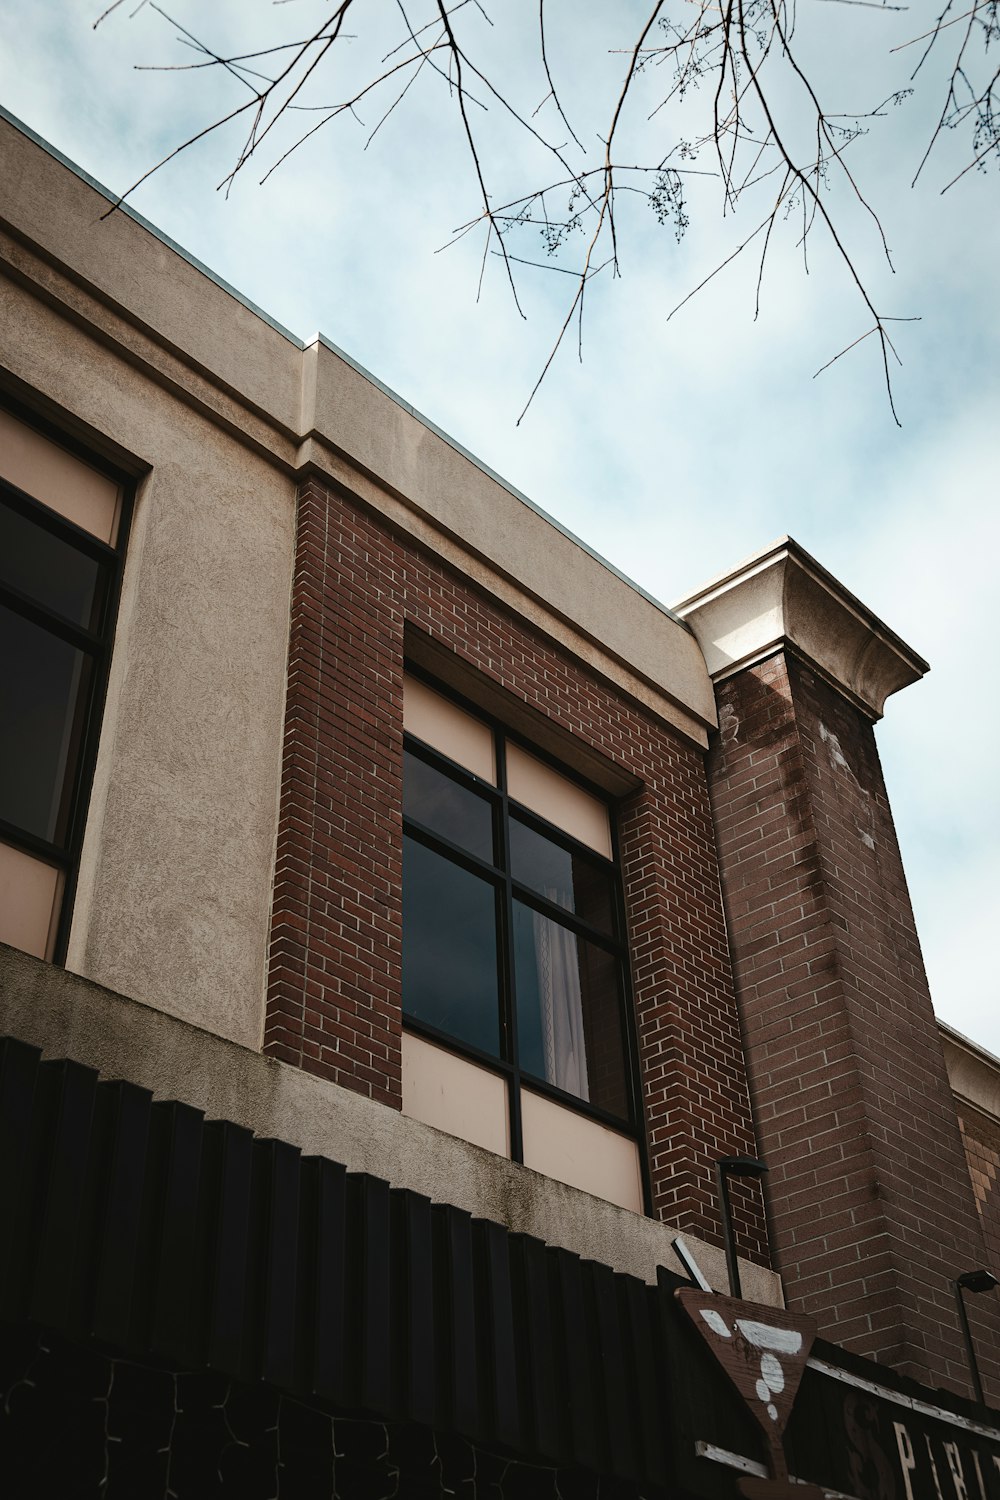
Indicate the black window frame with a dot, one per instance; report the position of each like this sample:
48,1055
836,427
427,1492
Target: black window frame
97,643
508,890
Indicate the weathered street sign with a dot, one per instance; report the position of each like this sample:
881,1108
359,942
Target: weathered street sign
762,1349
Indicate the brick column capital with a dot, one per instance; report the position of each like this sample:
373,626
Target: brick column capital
781,597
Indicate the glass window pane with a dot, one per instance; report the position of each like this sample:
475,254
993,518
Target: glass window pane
451,810
44,686
570,879
450,948
569,1023
49,569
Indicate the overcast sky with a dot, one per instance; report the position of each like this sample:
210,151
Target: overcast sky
673,449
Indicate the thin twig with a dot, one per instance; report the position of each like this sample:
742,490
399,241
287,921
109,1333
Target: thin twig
548,74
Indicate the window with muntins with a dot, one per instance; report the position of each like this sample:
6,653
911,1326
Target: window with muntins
514,956
60,520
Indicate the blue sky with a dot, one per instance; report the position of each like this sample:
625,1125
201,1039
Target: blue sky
674,449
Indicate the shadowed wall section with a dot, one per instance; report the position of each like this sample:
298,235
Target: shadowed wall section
872,1212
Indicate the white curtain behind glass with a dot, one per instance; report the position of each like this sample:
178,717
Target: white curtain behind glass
561,1004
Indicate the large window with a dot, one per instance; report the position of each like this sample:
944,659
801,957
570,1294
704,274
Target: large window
60,520
514,965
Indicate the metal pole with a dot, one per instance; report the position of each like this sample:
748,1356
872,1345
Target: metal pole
732,1264
970,1349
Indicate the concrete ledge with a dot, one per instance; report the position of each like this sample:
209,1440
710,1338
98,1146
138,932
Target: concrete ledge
66,1016
313,407
347,411
974,1073
782,596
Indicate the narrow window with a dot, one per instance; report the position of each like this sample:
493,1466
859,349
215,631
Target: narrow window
60,525
514,963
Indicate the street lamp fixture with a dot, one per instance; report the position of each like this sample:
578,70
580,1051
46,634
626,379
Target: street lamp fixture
972,1281
726,1167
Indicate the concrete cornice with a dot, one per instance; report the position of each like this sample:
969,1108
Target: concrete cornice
146,302
66,1016
782,597
974,1073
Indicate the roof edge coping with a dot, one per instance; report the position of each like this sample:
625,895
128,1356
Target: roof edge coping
327,343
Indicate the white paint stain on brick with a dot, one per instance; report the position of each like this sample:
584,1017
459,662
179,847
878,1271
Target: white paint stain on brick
729,724
839,762
837,757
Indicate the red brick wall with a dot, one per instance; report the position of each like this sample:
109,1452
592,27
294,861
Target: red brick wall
871,1212
334,976
334,993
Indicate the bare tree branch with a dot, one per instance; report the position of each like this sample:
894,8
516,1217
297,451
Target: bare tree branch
493,229
548,74
758,127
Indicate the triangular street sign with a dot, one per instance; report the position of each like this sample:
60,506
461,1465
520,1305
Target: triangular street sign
762,1349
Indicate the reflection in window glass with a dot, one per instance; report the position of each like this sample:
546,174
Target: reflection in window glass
568,1011
452,811
49,569
572,880
512,941
450,948
44,685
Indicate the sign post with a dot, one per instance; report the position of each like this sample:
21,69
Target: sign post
763,1351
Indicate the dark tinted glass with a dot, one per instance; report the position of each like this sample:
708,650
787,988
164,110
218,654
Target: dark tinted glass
432,798
568,1012
50,570
44,685
577,883
450,948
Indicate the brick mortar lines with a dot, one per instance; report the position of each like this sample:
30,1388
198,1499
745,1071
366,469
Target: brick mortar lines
773,732
735,805
916,1146
374,581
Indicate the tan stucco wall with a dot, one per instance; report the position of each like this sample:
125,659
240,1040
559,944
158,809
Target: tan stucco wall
174,890
66,1016
128,267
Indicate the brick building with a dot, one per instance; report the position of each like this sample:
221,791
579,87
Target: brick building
403,914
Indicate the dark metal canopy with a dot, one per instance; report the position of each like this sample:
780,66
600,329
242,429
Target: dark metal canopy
143,1230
